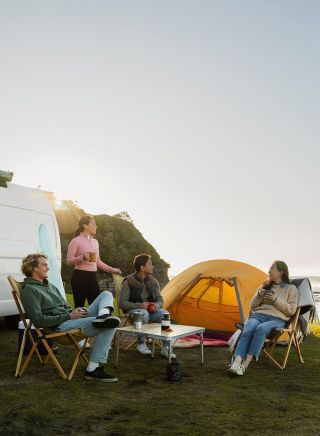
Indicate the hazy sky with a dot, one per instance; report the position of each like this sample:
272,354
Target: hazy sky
200,118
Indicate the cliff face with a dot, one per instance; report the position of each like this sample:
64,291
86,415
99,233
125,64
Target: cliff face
119,242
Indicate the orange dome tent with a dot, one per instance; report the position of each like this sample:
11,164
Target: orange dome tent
214,294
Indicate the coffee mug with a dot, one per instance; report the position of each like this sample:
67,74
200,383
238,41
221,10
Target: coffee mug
93,257
151,307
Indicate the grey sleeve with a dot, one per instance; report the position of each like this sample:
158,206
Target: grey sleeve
159,299
124,302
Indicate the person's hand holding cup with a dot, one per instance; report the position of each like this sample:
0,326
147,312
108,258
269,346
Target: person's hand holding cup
152,307
86,257
270,296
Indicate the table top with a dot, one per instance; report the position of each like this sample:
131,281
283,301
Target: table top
154,331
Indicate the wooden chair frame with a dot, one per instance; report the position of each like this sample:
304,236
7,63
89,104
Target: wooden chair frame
125,319
70,337
271,341
291,329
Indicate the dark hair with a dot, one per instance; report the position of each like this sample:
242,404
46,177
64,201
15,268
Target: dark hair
283,268
82,221
30,262
140,260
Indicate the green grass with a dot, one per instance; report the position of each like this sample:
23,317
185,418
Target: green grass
266,401
69,298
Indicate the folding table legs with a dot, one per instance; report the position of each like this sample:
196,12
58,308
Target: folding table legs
117,349
170,351
201,346
153,347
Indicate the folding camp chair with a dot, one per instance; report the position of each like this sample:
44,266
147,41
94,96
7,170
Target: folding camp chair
291,329
70,337
305,309
125,319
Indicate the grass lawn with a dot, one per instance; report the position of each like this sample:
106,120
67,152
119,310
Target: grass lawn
207,401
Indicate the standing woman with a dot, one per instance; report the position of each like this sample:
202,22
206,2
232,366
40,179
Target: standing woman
83,254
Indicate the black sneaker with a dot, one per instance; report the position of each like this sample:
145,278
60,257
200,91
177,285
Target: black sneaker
106,322
99,375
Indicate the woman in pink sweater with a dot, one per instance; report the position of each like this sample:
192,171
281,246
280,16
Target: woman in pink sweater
83,254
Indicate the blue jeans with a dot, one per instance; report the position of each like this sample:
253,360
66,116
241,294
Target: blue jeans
257,327
149,317
104,336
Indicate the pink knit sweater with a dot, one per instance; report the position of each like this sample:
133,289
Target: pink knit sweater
85,244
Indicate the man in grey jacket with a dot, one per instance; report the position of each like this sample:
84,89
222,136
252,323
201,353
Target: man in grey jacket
141,291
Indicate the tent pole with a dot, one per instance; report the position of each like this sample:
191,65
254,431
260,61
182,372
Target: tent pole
185,290
238,298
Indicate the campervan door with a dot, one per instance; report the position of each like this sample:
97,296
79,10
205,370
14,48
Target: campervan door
27,225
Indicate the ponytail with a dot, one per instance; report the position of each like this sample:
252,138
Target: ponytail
77,232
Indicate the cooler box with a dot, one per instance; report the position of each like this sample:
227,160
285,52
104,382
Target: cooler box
42,350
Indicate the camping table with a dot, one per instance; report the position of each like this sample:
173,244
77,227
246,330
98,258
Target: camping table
154,332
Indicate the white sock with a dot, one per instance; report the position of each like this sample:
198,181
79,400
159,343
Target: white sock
92,366
238,360
81,343
104,311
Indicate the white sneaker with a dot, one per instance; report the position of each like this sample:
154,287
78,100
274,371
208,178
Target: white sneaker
143,349
82,342
237,369
165,353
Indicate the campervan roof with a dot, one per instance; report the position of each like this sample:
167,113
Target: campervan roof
25,198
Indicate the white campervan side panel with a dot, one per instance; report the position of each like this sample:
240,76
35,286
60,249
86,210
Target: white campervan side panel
22,212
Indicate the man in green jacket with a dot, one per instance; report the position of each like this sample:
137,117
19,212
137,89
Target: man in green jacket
46,308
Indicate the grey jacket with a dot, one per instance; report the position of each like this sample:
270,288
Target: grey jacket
134,292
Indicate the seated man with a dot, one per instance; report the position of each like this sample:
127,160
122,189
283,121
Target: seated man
137,292
46,308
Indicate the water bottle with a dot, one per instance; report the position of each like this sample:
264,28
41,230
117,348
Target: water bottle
165,322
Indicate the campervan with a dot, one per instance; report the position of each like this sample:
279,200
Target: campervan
27,225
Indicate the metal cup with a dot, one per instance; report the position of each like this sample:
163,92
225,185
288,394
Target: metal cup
137,320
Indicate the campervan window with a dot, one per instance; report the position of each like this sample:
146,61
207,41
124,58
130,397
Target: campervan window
19,231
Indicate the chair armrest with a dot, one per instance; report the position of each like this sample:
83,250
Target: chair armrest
278,329
239,325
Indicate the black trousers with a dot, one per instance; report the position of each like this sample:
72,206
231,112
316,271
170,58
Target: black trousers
84,285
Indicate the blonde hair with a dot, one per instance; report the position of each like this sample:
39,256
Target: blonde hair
30,262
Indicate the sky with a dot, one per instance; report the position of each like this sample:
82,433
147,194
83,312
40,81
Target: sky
199,118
